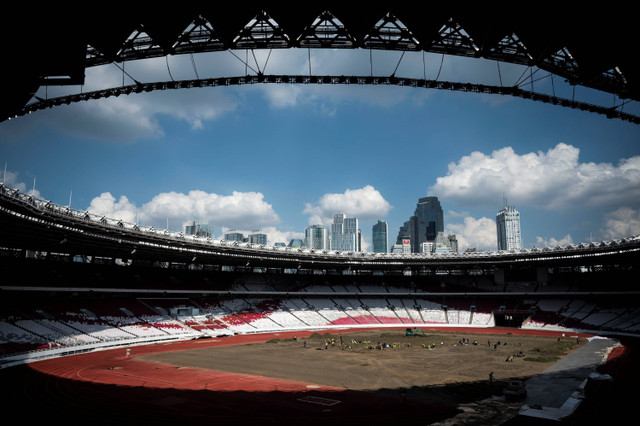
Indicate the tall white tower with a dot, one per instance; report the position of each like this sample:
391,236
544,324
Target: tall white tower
316,237
508,228
344,233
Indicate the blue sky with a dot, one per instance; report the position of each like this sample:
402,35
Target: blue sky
277,158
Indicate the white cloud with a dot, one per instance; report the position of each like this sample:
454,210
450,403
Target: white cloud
474,233
240,209
551,180
552,242
10,180
452,213
136,116
274,235
244,212
365,203
107,206
622,223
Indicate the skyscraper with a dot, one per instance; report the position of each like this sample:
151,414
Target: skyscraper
424,225
258,239
316,237
233,236
508,228
380,238
429,212
344,233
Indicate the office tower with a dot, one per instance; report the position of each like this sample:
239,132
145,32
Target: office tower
380,238
424,225
199,229
508,229
344,233
258,239
429,212
233,236
316,237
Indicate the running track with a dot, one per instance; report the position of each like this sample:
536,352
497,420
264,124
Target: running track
105,387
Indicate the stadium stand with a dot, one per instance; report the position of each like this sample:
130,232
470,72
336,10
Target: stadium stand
162,296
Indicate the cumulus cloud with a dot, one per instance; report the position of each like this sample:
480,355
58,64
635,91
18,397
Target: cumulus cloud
553,179
474,233
621,223
552,242
107,206
136,116
365,203
274,235
240,209
11,180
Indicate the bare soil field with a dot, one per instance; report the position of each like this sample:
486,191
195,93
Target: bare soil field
425,379
452,367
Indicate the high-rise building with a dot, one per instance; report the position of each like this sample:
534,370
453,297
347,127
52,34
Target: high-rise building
380,232
508,229
345,233
430,212
316,237
199,229
424,225
233,236
258,239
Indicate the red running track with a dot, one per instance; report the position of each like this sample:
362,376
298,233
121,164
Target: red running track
110,388
112,366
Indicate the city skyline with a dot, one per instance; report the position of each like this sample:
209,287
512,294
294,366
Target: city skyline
280,157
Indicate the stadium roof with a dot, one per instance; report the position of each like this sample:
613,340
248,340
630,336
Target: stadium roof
49,45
